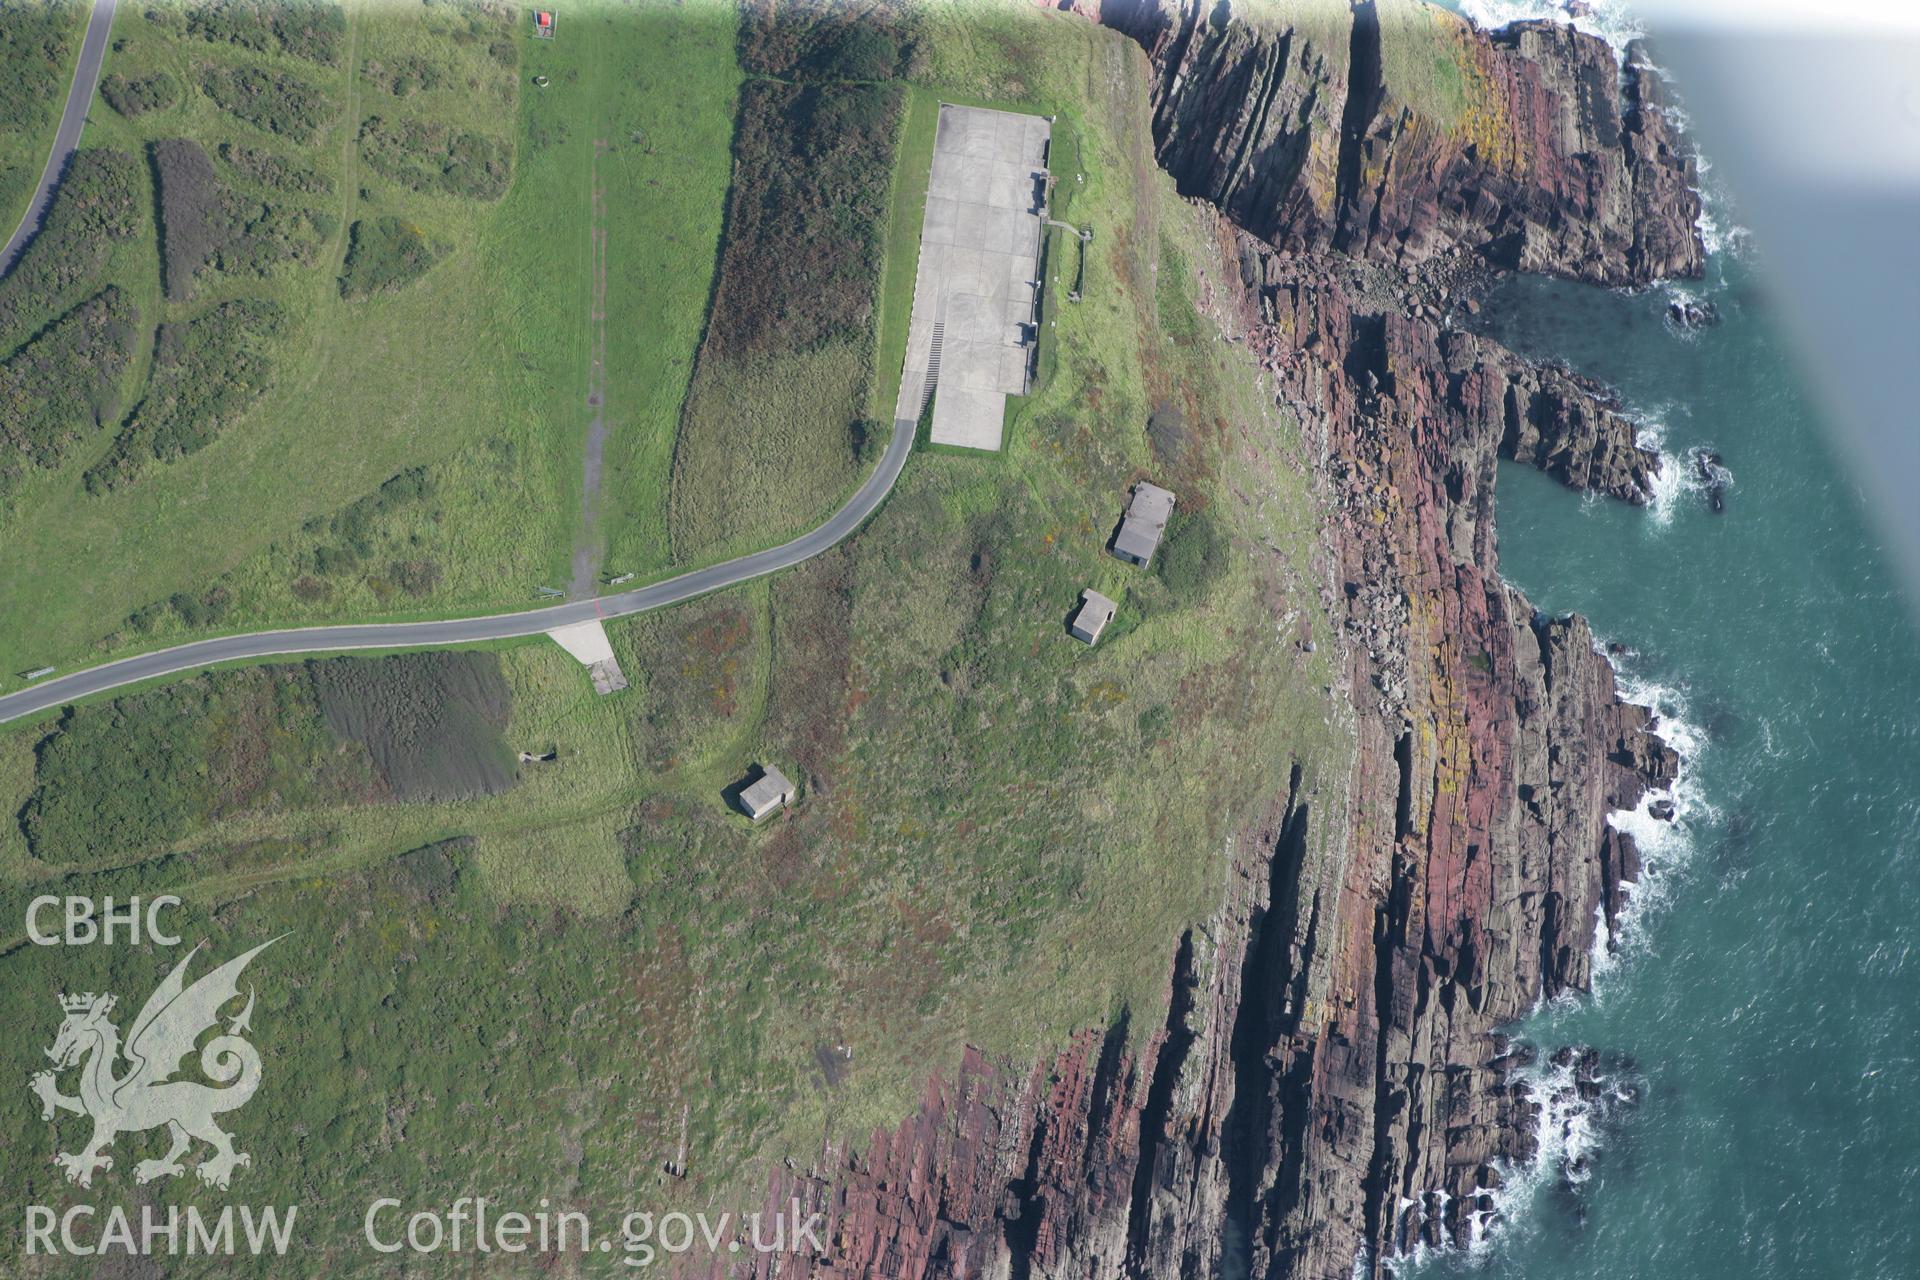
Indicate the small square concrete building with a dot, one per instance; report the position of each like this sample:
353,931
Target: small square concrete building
766,794
1096,611
1145,521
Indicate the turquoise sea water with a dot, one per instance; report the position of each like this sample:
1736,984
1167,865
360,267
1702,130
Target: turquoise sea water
1765,1003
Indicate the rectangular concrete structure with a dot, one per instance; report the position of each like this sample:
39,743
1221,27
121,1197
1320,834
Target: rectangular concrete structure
765,794
970,341
1096,611
1145,520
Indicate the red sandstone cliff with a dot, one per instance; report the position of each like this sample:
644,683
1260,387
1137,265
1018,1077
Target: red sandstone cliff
1330,1084
1395,131
1331,1060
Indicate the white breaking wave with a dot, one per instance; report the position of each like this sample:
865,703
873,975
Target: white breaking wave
1679,477
1611,20
1664,845
1674,480
1568,1130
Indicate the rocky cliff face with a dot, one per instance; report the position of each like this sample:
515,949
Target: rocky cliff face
1330,1084
1395,131
1492,744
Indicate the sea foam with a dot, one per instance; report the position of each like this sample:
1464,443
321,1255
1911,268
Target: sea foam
1611,20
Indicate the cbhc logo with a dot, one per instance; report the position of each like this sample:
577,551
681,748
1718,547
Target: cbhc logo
86,922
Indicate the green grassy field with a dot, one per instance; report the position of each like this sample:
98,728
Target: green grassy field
1000,836
476,372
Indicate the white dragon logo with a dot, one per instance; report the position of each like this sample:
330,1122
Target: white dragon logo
145,1098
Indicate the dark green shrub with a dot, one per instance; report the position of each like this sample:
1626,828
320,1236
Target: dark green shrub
34,48
384,254
136,97
117,779
312,29
206,373
63,385
1191,558
101,201
273,101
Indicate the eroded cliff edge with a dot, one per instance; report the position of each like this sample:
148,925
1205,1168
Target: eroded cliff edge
1396,132
1330,1084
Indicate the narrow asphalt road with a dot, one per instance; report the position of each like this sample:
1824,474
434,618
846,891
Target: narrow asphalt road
500,626
86,78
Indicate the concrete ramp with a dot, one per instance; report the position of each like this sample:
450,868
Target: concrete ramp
587,642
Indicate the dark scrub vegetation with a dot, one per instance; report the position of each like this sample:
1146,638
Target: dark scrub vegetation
209,608
273,101
385,254
206,372
426,156
826,39
137,96
128,776
1192,558
189,193
123,779
64,384
812,166
264,168
350,532
311,29
36,50
62,349
99,203
33,48
206,226
430,722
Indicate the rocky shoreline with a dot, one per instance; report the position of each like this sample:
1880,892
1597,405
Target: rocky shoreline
1331,1088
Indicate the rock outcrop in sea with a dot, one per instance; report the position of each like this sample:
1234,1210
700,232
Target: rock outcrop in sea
1331,1087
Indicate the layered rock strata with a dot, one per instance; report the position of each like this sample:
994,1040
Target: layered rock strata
1330,1086
1395,131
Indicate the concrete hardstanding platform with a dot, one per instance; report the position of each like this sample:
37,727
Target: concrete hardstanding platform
974,320
587,642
